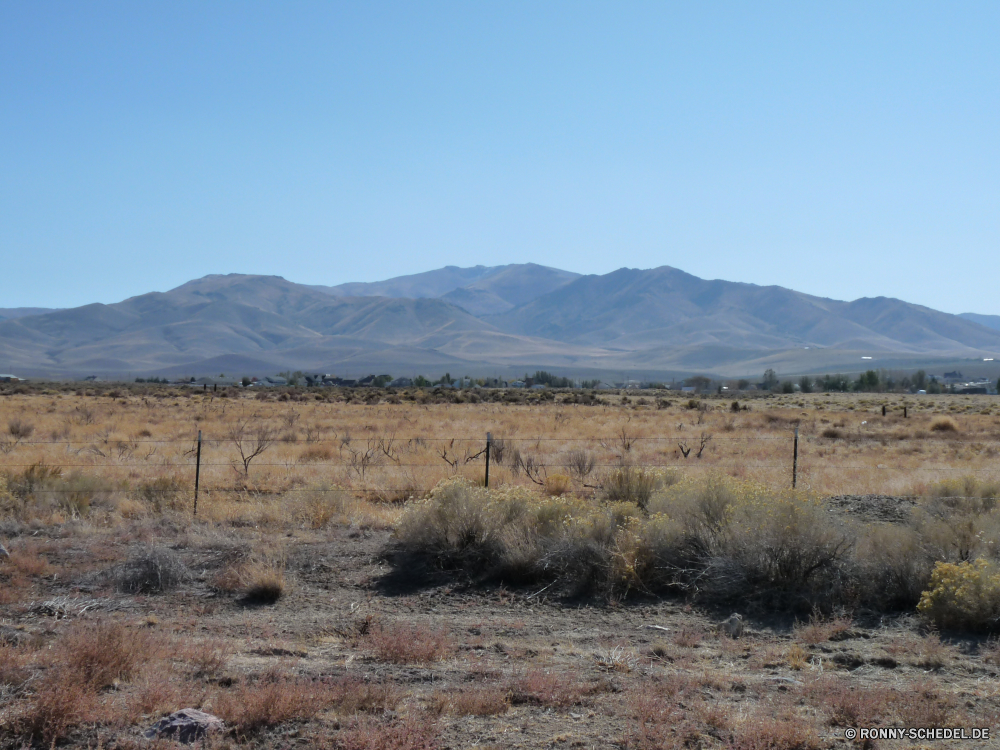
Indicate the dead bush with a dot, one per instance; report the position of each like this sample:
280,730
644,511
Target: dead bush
820,629
944,424
486,700
99,654
151,570
557,485
551,689
403,643
264,583
163,494
414,732
315,453
273,699
60,703
353,695
773,733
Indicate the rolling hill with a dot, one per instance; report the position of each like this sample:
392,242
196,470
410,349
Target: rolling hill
661,321
480,290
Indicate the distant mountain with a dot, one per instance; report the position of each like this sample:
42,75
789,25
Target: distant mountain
263,316
481,290
9,313
633,309
488,320
990,321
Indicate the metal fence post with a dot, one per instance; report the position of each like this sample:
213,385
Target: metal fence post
197,474
795,458
489,444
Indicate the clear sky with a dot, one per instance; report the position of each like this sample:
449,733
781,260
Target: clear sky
842,149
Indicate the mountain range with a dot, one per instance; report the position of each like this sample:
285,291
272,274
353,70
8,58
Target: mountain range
659,322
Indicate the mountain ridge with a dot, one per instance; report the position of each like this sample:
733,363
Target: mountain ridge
663,319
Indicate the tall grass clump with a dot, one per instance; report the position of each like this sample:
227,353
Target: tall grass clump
731,538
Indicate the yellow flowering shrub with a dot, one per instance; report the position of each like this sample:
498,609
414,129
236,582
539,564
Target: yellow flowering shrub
963,595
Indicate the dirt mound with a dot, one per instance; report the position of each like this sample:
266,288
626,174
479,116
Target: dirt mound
874,508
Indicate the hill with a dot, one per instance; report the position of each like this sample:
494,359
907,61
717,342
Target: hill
481,290
661,322
632,309
9,313
990,321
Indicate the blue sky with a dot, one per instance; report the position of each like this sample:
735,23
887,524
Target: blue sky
842,149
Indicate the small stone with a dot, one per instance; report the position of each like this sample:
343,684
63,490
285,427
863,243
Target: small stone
4,554
187,725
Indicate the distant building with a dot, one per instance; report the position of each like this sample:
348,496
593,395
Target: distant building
340,382
9,379
516,384
401,383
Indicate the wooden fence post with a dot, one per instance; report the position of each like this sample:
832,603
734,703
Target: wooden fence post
197,475
489,443
795,459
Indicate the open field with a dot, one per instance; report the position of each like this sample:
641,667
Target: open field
323,596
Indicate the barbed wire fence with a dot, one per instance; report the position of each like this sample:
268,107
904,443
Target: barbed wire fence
387,465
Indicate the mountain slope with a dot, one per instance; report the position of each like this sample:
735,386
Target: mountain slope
9,313
661,320
481,290
990,321
634,309
216,315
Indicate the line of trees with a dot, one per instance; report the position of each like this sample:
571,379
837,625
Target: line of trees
870,381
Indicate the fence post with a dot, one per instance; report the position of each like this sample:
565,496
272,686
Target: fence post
489,443
883,410
904,412
795,458
197,474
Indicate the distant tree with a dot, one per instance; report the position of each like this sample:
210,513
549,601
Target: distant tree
381,381
742,384
920,380
698,382
770,380
246,381
589,383
421,382
806,384
839,383
553,381
788,387
867,381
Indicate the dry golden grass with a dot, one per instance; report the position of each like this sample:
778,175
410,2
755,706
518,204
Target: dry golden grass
503,666
134,454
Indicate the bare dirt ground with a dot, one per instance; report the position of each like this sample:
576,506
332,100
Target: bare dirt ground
481,667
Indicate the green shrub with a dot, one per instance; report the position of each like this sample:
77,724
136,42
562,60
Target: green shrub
628,484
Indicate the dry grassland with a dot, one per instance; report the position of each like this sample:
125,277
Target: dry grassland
324,597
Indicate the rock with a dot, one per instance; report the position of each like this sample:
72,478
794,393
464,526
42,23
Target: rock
733,627
187,725
4,554
848,660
